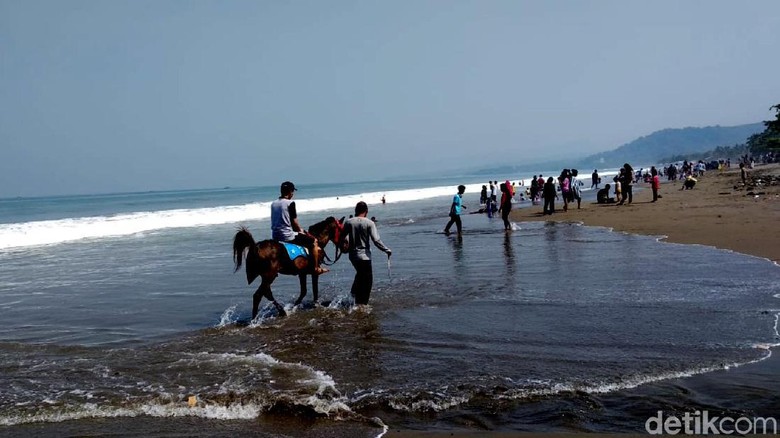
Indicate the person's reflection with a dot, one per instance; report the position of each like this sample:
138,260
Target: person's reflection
457,250
551,236
459,267
509,260
509,252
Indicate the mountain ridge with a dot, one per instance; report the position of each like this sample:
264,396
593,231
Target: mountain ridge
649,149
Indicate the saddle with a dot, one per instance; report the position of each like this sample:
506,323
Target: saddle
295,251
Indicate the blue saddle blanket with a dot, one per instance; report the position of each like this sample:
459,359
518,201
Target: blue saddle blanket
295,251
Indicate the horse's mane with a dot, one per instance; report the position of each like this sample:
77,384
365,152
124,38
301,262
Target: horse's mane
319,227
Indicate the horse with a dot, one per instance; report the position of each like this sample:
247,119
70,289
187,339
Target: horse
268,258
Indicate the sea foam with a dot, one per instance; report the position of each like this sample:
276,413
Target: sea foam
35,233
47,232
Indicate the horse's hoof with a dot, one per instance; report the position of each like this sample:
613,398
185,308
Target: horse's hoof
282,313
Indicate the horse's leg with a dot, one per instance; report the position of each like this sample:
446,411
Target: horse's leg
302,278
315,289
266,286
256,298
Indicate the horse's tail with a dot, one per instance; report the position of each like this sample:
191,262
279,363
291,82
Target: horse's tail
241,243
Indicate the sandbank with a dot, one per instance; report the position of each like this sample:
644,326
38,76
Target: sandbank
720,211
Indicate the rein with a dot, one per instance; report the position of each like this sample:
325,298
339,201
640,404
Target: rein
336,242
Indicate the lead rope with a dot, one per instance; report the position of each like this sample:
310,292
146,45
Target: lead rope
389,276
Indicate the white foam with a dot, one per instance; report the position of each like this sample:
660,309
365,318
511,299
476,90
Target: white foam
315,389
25,234
228,316
442,404
35,233
236,411
47,232
633,382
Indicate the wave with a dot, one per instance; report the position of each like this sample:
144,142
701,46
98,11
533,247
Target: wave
312,391
47,232
438,401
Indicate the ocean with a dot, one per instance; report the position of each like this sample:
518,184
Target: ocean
121,313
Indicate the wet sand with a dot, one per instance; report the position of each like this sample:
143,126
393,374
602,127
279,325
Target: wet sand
718,212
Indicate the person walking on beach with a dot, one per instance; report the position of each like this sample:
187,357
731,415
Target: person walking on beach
359,232
490,201
656,183
506,204
534,190
743,173
550,195
576,188
455,209
618,191
627,184
285,226
564,182
594,179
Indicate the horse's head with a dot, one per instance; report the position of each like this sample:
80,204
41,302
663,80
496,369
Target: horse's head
335,228
328,230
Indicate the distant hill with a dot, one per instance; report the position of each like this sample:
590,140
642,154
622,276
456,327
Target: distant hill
650,149
670,142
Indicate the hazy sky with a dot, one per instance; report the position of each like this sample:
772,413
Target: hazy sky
114,95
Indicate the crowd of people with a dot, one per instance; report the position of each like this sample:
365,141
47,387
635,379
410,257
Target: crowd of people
566,188
494,198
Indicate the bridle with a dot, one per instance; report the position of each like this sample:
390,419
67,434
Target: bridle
336,239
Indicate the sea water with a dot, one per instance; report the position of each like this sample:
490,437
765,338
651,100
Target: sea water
123,310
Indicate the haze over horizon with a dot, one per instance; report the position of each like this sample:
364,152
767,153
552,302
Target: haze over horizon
121,96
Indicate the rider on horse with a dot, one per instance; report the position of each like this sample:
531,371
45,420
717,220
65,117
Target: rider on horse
285,227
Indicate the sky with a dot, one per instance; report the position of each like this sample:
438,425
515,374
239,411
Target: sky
134,95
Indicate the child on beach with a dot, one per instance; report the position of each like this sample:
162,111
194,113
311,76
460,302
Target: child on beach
656,183
618,194
602,197
689,183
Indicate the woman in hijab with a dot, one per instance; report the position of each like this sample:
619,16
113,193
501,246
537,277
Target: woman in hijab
506,203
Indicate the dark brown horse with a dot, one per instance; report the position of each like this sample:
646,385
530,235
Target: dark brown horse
269,258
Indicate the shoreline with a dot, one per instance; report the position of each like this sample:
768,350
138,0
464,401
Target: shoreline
718,212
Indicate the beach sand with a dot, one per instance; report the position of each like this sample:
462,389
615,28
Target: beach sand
718,212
